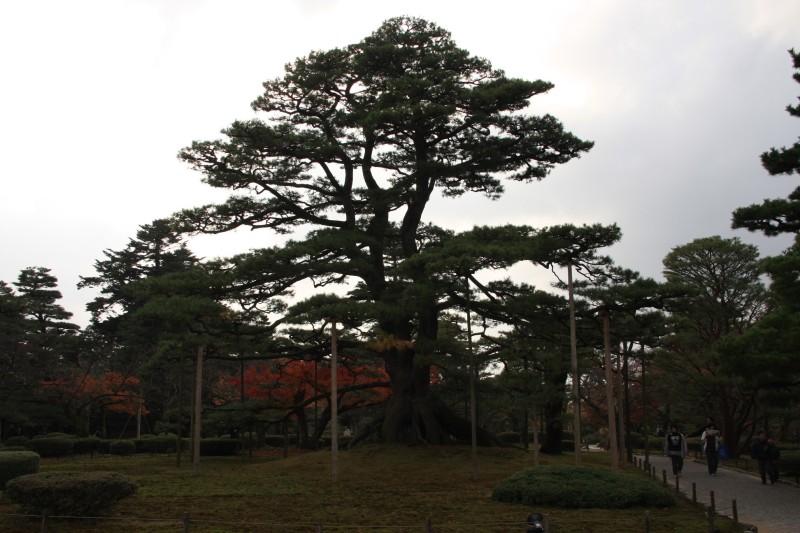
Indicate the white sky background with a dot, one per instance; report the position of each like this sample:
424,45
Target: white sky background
97,97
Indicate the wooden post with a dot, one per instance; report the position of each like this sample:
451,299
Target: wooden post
612,420
710,520
694,492
473,409
735,513
334,405
647,528
198,400
185,522
713,503
576,377
44,521
428,526
619,383
664,477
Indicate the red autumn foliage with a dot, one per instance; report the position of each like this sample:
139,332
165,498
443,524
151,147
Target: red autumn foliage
116,392
290,382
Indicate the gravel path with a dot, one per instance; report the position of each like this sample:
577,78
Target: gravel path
772,508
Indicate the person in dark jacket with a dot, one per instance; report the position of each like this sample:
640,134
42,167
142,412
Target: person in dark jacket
676,449
766,452
711,441
772,460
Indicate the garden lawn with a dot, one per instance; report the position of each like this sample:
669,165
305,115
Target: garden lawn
380,489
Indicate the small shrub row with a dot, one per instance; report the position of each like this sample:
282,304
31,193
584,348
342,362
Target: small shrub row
69,493
160,444
580,488
52,446
17,440
15,464
123,448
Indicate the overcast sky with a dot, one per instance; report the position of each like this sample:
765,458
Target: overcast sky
97,97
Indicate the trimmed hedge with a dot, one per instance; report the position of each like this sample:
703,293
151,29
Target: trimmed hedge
13,449
122,447
52,446
15,464
17,440
581,488
86,445
509,437
156,444
69,493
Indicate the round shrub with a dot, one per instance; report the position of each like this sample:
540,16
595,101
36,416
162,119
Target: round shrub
15,464
69,493
52,446
581,488
509,437
86,445
17,440
219,446
122,447
53,435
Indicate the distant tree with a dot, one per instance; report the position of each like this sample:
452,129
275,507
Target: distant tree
776,216
82,394
17,376
726,297
355,144
768,352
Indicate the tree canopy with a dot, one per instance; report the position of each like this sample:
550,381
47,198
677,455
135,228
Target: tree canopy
350,145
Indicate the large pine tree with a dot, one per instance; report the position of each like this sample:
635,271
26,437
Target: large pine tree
350,145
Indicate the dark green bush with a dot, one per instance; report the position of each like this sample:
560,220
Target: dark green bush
790,462
122,447
86,445
69,493
581,488
15,464
219,446
53,435
52,446
509,437
14,449
156,444
17,440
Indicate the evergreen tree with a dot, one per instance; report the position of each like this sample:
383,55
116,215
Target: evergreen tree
355,143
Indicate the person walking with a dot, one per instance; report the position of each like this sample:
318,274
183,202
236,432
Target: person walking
774,453
711,440
676,449
767,454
